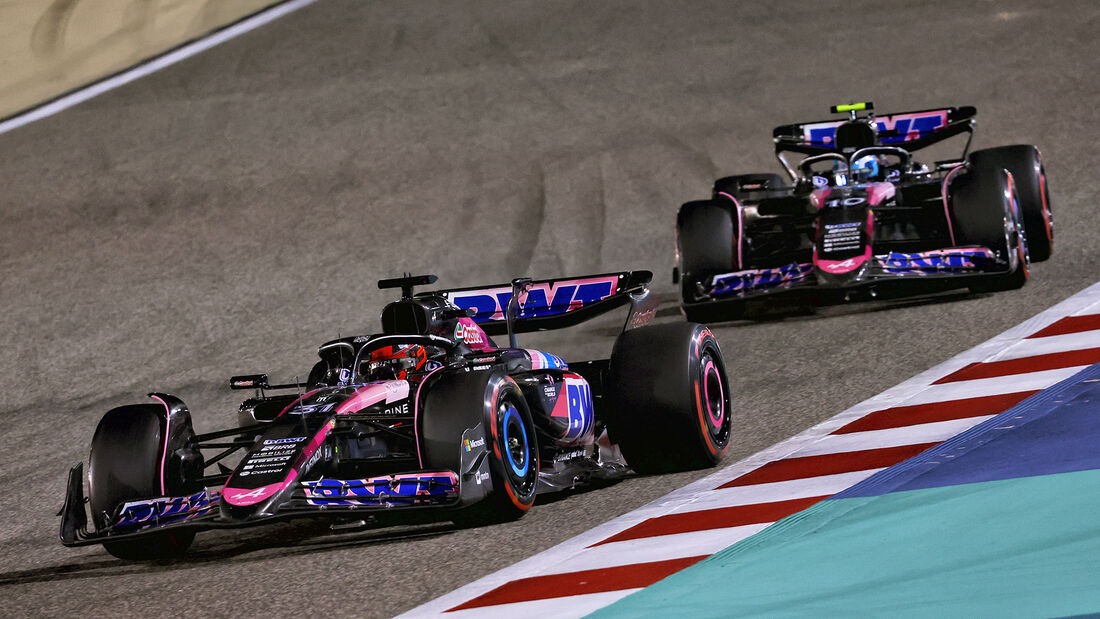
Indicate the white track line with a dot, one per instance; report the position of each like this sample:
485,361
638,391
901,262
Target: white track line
575,554
1050,344
1012,383
804,488
675,546
166,59
935,432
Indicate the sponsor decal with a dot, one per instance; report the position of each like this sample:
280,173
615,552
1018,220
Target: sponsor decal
399,489
281,441
478,368
307,409
759,279
842,237
543,299
569,455
938,260
468,334
254,461
468,445
167,509
904,127
574,404
399,409
360,339
251,494
643,318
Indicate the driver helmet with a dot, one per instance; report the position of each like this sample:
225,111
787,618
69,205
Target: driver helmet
396,362
865,168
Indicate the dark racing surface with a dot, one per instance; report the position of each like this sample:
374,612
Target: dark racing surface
230,213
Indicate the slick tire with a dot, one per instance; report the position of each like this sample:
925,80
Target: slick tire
986,213
461,401
124,466
1025,164
768,181
705,242
668,398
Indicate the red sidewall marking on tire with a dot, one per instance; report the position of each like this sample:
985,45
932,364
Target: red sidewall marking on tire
1046,205
707,371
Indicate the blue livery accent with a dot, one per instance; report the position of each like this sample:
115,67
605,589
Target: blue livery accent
581,415
404,489
907,127
954,259
166,510
1055,431
565,297
759,279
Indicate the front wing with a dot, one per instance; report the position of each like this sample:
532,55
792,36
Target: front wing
340,499
944,268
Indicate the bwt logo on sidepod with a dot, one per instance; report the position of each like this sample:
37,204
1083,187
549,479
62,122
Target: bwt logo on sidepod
543,299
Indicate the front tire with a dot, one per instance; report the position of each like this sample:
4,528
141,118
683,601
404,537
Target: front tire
986,213
461,401
1025,164
669,398
124,465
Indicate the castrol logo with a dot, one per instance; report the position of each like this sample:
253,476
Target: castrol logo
468,334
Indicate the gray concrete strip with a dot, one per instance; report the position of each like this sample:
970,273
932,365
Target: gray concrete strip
70,50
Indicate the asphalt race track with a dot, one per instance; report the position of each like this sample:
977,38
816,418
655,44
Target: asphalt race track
228,214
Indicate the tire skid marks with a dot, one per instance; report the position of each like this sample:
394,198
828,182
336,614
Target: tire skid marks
619,557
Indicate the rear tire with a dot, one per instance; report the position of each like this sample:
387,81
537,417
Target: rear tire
124,466
986,213
1025,164
706,245
668,398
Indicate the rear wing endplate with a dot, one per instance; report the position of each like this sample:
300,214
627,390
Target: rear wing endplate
555,303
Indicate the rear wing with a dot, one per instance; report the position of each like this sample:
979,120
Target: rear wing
545,304
909,130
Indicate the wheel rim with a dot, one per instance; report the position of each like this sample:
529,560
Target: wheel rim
516,450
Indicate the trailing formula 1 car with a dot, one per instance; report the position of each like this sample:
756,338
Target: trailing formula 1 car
428,415
860,218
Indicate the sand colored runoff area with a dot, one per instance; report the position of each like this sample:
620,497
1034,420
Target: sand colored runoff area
49,47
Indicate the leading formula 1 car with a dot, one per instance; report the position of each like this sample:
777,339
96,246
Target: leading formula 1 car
860,217
428,415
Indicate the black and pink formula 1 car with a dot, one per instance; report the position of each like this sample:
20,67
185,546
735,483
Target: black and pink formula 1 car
858,217
430,416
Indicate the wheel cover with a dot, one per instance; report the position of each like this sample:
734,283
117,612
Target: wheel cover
517,452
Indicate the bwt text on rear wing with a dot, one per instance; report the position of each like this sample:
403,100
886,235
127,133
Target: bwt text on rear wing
539,305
